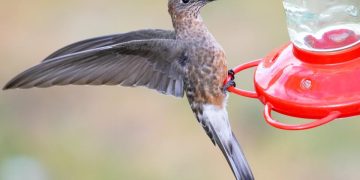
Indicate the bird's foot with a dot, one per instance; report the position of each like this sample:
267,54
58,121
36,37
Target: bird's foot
231,73
231,82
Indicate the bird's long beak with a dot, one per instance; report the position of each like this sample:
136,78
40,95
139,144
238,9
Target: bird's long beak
207,1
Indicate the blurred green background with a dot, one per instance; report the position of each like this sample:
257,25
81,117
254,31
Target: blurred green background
113,133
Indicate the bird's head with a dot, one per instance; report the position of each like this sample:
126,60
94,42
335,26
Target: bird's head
186,7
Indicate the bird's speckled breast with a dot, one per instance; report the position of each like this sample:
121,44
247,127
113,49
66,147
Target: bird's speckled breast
206,72
206,68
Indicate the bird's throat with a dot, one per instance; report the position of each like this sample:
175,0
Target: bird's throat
189,26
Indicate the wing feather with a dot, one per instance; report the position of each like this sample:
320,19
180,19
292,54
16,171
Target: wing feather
109,40
152,63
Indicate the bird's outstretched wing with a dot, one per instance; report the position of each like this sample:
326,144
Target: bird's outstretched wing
153,63
108,40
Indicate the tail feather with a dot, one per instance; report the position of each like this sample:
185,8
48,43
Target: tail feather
215,122
235,157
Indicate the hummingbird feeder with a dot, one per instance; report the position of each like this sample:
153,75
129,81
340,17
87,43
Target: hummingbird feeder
317,75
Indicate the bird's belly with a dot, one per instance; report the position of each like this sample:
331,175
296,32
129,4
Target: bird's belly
204,85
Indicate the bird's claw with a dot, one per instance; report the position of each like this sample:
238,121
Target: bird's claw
228,84
231,73
231,82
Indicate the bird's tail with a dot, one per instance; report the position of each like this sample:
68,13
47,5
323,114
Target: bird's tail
215,122
235,157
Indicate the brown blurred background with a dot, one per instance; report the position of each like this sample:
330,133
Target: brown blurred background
113,133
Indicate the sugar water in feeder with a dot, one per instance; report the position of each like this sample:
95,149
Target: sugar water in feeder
323,25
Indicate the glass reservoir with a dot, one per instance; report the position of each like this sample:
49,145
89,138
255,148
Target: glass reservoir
323,25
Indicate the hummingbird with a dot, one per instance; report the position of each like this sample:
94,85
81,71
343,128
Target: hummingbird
185,61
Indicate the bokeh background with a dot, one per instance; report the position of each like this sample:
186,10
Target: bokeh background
113,133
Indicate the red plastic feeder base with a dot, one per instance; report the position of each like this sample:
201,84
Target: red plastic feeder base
294,82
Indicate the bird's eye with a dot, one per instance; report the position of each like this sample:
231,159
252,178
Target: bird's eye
185,1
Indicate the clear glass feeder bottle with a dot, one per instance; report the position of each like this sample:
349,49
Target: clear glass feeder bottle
323,25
